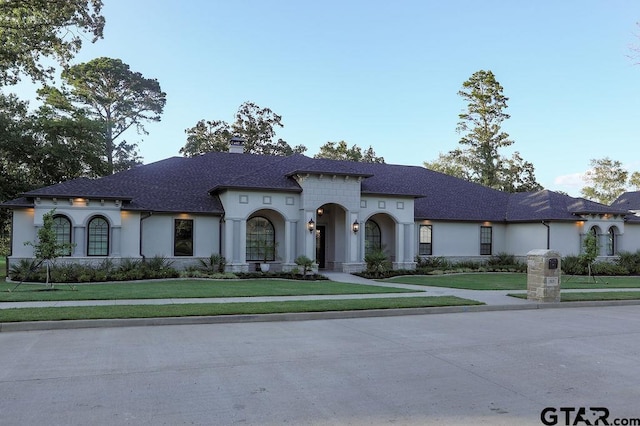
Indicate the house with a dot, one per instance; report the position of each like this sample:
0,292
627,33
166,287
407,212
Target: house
331,211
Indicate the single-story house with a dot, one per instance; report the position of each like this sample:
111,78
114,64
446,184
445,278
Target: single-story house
333,212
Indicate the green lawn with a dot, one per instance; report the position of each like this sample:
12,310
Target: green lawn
588,296
202,309
183,289
508,281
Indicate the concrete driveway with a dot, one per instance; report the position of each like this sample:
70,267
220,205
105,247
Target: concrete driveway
495,368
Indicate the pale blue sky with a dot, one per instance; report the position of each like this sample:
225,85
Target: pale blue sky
387,73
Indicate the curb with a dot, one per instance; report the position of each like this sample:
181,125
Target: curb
297,316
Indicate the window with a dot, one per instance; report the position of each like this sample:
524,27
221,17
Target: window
261,239
98,237
425,248
486,239
611,241
183,237
62,229
372,237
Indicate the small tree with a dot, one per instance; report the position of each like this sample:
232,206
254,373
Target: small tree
305,263
591,251
47,249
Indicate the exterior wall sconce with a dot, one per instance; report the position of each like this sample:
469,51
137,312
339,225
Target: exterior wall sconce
320,211
355,226
311,225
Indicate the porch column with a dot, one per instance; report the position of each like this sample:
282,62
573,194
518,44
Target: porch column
309,238
115,242
80,241
235,244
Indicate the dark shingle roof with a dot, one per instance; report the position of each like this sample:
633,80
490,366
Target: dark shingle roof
191,185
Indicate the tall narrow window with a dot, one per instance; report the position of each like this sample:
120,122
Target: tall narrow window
183,237
372,237
611,241
426,247
486,240
98,237
62,228
261,240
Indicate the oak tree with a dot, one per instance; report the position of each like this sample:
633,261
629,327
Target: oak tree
33,30
341,151
256,125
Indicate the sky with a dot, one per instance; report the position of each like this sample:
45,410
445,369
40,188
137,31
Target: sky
386,73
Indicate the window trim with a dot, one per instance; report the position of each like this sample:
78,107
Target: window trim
63,240
252,251
486,245
189,240
108,236
369,244
424,244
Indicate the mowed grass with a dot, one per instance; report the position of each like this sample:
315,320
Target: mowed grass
170,289
510,281
203,309
591,296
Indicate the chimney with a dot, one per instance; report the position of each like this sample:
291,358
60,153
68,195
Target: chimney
236,145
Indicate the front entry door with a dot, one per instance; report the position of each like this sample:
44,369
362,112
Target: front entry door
320,246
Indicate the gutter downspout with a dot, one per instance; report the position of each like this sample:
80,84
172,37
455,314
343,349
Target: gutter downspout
143,217
546,224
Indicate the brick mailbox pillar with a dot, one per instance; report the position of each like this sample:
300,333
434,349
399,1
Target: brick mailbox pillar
543,275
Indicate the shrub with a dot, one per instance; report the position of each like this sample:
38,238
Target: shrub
431,263
608,268
377,263
214,264
573,265
305,263
629,261
25,270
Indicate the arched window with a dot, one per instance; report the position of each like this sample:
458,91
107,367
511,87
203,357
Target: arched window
372,237
98,237
611,241
62,228
261,239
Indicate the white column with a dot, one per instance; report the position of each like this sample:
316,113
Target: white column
80,241
115,241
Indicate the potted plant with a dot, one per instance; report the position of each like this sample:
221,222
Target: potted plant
268,251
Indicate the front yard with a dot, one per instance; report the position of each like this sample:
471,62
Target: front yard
169,289
510,281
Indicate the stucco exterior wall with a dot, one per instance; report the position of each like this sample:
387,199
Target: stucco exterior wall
630,241
158,235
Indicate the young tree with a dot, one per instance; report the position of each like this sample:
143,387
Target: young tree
47,249
479,160
340,151
31,30
254,124
105,90
591,250
607,179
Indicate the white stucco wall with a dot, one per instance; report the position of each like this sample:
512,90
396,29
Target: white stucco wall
158,235
630,241
23,231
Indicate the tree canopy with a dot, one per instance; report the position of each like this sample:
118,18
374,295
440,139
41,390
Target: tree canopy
607,179
256,125
32,30
106,91
479,159
341,151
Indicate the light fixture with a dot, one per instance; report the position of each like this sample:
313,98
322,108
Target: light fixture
320,211
311,225
355,226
